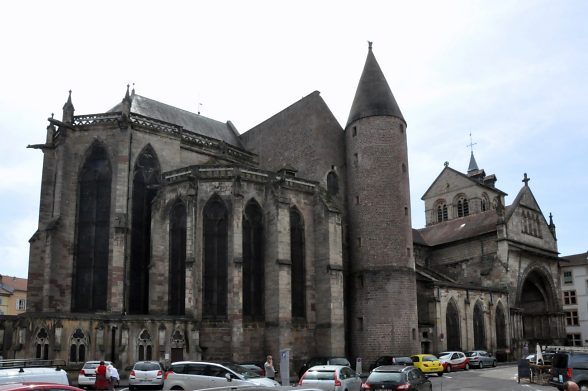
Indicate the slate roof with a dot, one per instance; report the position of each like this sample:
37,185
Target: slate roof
190,121
373,96
576,259
459,229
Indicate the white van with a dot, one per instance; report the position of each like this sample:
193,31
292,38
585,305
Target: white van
46,371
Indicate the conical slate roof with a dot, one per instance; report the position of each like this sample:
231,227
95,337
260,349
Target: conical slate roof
473,165
373,96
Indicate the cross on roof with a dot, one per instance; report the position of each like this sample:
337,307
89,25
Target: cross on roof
526,179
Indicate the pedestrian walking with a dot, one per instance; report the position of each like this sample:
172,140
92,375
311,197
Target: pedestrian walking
113,375
102,381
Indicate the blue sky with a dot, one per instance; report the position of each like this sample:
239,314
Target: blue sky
514,74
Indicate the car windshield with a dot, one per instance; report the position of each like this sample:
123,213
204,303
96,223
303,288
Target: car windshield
470,354
147,366
444,354
385,377
246,373
320,375
430,358
338,361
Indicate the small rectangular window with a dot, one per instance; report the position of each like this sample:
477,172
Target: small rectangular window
575,339
572,318
569,297
359,242
568,278
354,131
356,200
355,160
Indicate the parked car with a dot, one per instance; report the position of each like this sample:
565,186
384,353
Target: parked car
427,363
454,360
254,367
481,359
87,375
569,366
397,377
547,358
195,375
37,386
331,378
33,370
314,361
391,360
146,374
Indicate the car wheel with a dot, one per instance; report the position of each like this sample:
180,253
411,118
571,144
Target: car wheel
481,364
177,388
494,363
132,388
440,373
467,366
448,369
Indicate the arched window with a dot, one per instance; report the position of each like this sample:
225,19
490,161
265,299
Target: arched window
77,347
479,327
298,270
332,183
146,176
215,259
500,327
485,202
453,327
463,208
253,261
92,235
177,259
441,211
145,346
42,345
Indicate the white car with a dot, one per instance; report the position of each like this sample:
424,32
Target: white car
331,378
195,375
146,374
87,375
454,360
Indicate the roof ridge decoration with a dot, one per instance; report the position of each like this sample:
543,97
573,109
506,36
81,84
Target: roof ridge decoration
373,96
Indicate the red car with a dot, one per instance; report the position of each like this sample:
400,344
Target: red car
454,360
29,386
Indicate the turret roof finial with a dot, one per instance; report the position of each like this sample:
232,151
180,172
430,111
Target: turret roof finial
370,45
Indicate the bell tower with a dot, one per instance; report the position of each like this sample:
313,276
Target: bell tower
383,301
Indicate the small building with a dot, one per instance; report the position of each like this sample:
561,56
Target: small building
574,291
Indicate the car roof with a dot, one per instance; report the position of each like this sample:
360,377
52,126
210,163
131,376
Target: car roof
392,368
35,385
327,367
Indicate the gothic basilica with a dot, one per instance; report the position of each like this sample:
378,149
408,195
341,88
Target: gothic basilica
167,235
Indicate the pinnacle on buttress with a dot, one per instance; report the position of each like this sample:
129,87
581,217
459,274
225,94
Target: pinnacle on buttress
127,101
68,110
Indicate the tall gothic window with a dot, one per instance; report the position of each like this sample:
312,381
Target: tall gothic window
479,327
145,183
453,327
215,258
298,269
177,259
92,235
42,345
253,261
463,207
332,183
485,203
500,327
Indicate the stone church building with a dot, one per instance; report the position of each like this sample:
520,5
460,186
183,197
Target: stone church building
167,235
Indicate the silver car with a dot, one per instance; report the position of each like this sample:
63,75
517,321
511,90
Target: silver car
195,375
481,359
146,374
331,378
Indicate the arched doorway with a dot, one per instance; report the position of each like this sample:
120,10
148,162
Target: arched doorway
539,309
479,327
452,326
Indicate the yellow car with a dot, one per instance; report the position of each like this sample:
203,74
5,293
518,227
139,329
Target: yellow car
427,363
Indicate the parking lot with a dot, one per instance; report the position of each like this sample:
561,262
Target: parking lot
501,378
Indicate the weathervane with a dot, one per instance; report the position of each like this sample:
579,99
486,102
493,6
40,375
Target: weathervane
471,144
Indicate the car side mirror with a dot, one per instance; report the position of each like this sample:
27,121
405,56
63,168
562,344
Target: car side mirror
228,377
